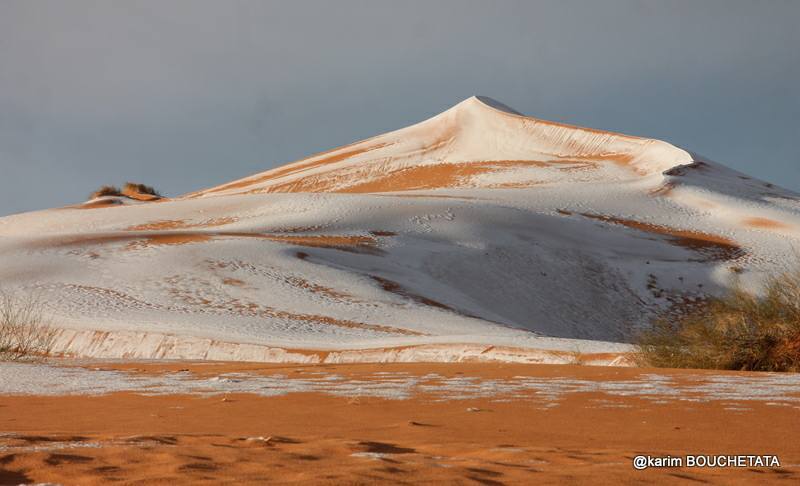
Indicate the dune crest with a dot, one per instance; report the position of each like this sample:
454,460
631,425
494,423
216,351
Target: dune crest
479,143
478,234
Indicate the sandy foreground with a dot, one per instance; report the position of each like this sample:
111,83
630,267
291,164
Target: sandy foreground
193,423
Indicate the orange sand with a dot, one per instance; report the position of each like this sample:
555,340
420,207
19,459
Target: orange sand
439,176
181,224
765,223
720,247
168,239
292,168
139,240
312,438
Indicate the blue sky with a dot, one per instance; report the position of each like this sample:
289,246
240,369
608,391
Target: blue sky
189,94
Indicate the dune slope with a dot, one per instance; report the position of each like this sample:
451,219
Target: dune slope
477,234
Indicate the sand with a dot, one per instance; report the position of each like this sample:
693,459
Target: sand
477,229
584,437
712,245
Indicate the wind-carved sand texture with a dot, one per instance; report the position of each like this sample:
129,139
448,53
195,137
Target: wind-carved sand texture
479,234
444,152
715,246
205,423
765,223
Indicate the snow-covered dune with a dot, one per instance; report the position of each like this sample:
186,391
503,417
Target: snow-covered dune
477,234
478,143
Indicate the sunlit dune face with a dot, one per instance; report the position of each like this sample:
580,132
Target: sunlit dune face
181,224
158,225
620,158
296,229
434,176
574,147
100,203
297,167
168,239
421,177
330,159
367,244
82,240
594,131
346,243
370,178
443,153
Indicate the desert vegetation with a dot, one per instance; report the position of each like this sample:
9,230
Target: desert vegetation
135,188
130,189
739,331
25,332
106,191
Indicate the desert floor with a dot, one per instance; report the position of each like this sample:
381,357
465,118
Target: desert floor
467,423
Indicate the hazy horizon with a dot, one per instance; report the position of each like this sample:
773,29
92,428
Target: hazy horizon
184,95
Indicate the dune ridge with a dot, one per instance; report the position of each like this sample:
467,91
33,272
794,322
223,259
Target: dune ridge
479,233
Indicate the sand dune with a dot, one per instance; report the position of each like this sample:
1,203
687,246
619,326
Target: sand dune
477,234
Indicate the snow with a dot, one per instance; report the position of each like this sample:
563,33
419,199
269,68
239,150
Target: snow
57,380
477,234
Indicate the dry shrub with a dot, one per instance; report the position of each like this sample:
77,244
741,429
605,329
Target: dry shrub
739,331
136,188
132,190
25,332
106,191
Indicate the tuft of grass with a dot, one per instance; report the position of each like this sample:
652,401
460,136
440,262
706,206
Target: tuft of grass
106,191
25,332
739,331
132,190
136,188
